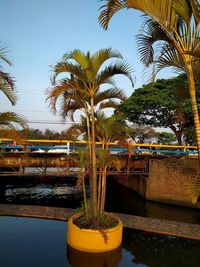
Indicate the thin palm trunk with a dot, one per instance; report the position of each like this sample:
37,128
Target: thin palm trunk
90,153
99,189
192,91
99,184
88,131
85,198
103,190
94,167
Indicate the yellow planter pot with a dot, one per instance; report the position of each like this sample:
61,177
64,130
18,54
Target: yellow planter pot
89,240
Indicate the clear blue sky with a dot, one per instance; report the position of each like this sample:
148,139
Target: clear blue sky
38,32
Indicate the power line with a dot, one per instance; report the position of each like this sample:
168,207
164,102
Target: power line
23,110
53,122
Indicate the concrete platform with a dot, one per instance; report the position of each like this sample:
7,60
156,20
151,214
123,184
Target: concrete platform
151,225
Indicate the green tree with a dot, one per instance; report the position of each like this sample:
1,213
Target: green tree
166,138
164,103
82,90
142,133
175,24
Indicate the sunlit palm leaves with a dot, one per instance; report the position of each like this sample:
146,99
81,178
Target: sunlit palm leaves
175,25
81,90
8,119
160,10
6,81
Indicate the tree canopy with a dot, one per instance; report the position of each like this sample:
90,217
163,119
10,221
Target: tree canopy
164,103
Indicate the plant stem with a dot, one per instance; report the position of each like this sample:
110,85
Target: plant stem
103,190
85,198
99,189
94,167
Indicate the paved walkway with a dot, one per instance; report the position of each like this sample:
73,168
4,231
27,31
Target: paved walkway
158,226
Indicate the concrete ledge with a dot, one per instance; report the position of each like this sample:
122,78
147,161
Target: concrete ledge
42,212
158,226
163,227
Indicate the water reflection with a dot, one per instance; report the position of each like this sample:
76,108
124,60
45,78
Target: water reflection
62,192
38,242
123,200
161,251
63,195
84,259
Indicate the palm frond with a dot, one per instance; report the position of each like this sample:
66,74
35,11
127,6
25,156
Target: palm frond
195,7
103,55
3,56
111,93
10,119
80,57
169,58
110,8
160,10
109,104
7,90
67,67
112,70
151,33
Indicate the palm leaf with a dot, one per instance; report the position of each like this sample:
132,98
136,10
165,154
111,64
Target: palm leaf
9,119
66,67
8,91
109,9
160,10
112,70
101,56
3,56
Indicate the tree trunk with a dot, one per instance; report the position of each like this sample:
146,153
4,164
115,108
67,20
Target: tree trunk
85,198
90,149
99,189
179,135
103,190
192,91
94,167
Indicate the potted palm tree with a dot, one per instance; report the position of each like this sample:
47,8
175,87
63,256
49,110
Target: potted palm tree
82,90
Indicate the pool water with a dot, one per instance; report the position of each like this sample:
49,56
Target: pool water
63,192
28,242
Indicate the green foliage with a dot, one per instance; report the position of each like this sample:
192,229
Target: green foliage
8,120
83,88
166,138
142,133
165,103
156,104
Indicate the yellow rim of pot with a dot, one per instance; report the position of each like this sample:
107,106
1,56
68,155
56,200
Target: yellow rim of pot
90,240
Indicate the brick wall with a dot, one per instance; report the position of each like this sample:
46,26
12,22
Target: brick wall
167,182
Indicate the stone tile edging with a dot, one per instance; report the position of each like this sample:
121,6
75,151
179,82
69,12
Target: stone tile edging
152,225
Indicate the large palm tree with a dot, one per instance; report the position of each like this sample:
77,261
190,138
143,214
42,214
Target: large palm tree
177,24
81,89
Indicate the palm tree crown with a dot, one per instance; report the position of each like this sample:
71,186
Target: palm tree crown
81,89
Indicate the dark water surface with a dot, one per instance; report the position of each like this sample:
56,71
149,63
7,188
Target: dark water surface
63,192
27,242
